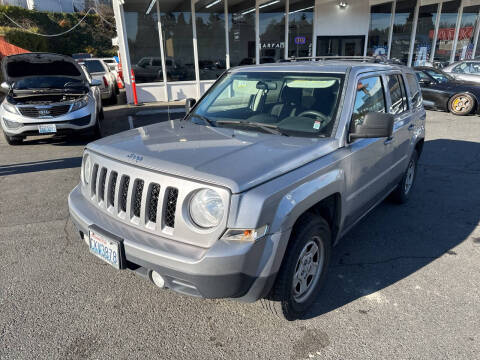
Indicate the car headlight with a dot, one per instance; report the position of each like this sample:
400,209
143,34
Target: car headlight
10,108
206,208
86,169
78,104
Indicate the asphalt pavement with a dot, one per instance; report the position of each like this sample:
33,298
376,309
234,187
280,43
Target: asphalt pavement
404,284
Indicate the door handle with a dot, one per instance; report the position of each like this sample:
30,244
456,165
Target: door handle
411,127
389,140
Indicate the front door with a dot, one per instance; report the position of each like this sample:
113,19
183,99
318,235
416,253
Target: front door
340,45
370,159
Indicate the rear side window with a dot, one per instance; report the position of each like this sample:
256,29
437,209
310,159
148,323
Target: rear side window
94,66
416,96
397,94
370,97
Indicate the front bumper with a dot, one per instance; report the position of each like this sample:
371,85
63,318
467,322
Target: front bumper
225,270
79,120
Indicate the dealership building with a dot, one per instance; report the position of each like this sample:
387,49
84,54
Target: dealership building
177,48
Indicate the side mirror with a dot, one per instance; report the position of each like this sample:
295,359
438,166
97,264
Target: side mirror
425,82
373,125
189,104
95,82
5,87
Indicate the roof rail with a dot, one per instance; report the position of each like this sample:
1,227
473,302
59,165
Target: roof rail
372,59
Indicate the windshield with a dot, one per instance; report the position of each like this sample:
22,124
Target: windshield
94,66
47,82
290,103
438,75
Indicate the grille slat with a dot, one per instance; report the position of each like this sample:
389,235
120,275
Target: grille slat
94,180
153,202
124,193
111,188
102,181
38,112
170,206
137,197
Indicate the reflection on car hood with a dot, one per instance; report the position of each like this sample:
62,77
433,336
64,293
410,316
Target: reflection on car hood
236,159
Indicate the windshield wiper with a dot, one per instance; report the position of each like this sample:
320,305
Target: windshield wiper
205,119
269,128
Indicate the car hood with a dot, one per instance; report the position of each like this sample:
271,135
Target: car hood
20,66
227,157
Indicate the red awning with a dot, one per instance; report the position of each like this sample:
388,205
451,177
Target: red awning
7,49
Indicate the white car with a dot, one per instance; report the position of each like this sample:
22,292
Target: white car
99,70
47,94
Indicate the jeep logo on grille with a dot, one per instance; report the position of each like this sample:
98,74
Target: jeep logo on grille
43,112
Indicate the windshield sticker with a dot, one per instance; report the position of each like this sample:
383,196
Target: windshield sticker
316,125
310,84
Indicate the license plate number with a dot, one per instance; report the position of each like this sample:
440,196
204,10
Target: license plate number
106,249
47,128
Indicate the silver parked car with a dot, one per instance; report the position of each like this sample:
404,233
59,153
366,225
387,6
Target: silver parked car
467,70
47,94
108,79
245,197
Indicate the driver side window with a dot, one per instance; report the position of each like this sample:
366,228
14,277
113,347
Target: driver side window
370,97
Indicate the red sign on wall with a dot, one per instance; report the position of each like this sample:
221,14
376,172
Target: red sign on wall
449,33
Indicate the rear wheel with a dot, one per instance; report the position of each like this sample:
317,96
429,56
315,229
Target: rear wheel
113,97
13,140
461,104
402,193
303,270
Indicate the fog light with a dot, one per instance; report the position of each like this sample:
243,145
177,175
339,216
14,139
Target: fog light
157,279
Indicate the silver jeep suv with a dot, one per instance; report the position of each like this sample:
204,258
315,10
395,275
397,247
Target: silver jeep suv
246,196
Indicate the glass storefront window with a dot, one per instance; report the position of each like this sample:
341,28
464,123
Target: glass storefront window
446,32
380,18
143,44
176,19
272,31
210,22
241,32
467,32
300,28
402,30
427,17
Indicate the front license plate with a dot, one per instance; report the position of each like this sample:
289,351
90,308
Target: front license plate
47,128
105,248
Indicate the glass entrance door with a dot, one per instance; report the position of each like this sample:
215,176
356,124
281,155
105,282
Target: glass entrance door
340,45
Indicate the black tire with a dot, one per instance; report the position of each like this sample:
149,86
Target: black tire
113,98
282,301
404,189
13,140
461,104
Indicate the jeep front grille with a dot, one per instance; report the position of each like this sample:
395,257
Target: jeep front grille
133,198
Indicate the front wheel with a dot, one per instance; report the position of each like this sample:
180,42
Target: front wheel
461,104
303,270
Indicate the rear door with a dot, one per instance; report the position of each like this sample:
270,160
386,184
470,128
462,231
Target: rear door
370,159
403,127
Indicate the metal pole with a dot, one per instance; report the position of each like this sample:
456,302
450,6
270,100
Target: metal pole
227,38
162,51
435,34
414,33
475,39
257,33
457,31
287,10
314,30
123,47
390,33
195,49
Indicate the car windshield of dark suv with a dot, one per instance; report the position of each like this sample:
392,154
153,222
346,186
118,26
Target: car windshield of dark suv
290,104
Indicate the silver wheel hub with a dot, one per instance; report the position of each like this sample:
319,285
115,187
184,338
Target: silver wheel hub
461,103
308,269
